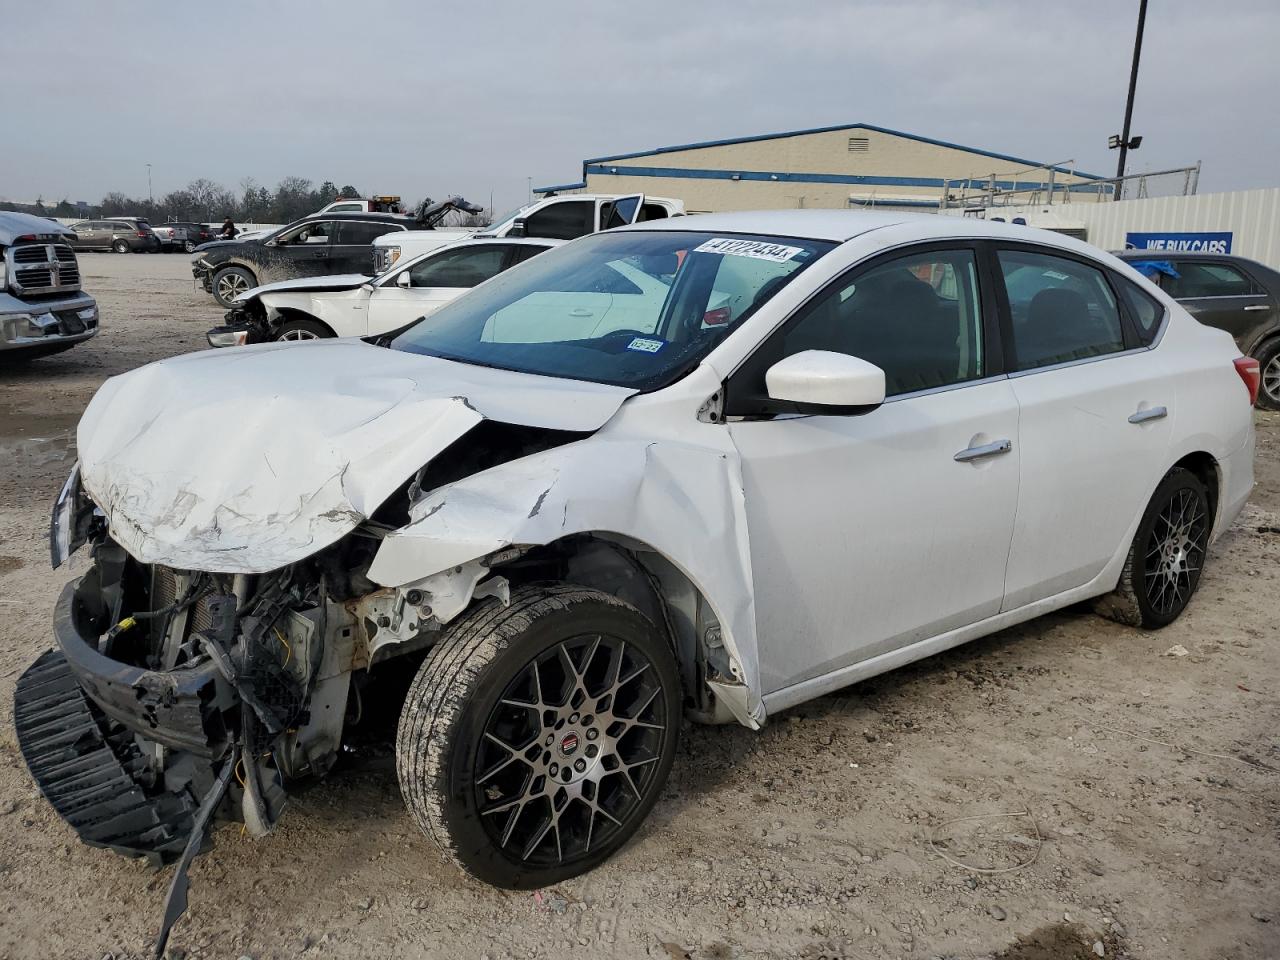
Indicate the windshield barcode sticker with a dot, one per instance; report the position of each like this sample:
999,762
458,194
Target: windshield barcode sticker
757,249
645,345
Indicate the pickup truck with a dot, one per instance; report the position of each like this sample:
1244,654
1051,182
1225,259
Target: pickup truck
42,308
558,217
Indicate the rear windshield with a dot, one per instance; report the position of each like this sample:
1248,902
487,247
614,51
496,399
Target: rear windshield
633,308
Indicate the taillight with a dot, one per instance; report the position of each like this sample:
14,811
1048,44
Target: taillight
142,234
717,317
1251,374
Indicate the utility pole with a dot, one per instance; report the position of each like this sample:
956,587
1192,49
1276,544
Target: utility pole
151,199
1124,142
530,179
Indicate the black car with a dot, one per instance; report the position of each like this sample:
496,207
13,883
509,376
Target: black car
1231,293
120,234
314,246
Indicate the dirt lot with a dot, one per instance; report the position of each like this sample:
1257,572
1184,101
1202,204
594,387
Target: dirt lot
1150,779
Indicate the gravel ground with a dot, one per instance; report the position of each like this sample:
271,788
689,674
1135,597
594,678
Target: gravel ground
1146,781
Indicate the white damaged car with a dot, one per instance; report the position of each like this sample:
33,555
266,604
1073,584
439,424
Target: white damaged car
824,444
354,305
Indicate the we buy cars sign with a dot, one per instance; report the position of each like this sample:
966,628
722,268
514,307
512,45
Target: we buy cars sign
1179,242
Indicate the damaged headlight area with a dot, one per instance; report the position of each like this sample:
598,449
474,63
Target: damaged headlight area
75,519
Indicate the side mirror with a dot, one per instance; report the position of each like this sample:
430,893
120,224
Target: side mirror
824,382
403,280
520,228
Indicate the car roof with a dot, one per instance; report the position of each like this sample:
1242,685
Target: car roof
357,215
842,225
1180,254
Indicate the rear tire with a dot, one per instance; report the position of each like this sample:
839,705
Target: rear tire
1166,557
1269,375
189,246
120,246
537,736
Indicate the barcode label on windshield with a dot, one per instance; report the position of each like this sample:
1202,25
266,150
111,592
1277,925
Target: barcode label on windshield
756,249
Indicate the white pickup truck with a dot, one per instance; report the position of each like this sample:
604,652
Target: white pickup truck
560,217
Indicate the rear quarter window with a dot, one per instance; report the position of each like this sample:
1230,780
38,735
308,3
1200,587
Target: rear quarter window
1146,311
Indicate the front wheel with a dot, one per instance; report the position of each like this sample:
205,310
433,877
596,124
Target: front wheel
1166,557
537,736
120,246
302,330
1269,372
230,282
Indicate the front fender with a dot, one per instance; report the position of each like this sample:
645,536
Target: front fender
683,499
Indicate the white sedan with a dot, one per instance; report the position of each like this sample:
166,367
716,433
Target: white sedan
810,447
354,305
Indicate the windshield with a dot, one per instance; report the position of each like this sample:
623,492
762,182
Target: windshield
636,309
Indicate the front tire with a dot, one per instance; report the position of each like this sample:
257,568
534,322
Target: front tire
292,330
1166,557
1269,375
537,736
120,246
230,282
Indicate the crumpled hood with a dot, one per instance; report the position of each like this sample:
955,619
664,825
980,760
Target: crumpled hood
244,461
343,281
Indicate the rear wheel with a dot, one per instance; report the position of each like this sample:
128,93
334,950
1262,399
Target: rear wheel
537,736
230,282
189,246
303,330
1167,556
120,246
1269,368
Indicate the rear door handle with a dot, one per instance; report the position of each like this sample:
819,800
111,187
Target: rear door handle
983,451
1151,413
1258,306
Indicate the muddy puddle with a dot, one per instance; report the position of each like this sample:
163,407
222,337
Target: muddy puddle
37,437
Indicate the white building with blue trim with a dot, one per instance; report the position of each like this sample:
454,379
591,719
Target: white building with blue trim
850,165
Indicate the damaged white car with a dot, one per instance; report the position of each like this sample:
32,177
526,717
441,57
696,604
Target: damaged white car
353,305
818,446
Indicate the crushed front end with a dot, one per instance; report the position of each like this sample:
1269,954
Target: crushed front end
159,679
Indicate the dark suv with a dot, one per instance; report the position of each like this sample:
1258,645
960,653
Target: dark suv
121,235
1231,293
311,247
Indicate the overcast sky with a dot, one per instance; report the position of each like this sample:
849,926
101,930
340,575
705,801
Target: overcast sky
426,99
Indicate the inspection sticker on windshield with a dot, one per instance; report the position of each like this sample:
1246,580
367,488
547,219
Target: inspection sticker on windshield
645,345
757,249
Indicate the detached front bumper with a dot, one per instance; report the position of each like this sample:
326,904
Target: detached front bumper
40,326
182,708
203,272
93,731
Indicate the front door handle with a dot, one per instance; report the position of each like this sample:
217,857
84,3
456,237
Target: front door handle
1151,413
1258,306
983,451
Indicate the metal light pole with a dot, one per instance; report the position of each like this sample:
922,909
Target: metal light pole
151,199
1133,84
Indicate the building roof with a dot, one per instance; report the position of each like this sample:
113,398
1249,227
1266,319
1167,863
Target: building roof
843,126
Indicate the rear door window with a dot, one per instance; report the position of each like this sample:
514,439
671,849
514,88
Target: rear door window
1062,309
359,233
1197,279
